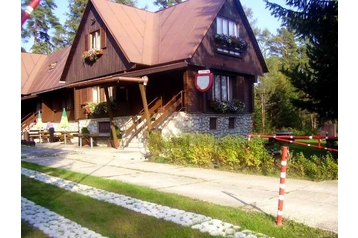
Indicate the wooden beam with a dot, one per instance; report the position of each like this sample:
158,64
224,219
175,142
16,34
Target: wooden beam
113,129
145,105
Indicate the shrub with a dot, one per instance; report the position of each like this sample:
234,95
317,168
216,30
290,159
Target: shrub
236,153
155,144
84,130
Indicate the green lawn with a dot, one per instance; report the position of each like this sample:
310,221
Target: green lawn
307,151
113,221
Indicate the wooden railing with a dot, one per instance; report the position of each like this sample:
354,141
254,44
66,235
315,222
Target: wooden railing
28,119
175,104
140,123
158,114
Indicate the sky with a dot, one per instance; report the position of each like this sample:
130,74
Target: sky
263,16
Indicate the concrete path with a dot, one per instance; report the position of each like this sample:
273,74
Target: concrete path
312,203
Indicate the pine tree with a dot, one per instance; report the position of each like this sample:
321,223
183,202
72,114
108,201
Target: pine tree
162,4
39,25
317,22
74,15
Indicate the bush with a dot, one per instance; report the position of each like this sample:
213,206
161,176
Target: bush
84,130
236,153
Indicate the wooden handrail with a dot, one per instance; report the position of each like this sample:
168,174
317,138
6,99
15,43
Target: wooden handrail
169,108
26,120
155,107
134,130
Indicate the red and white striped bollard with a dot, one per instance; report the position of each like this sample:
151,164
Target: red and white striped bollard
281,196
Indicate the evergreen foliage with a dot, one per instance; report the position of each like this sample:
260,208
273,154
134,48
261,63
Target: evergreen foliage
39,25
317,22
162,4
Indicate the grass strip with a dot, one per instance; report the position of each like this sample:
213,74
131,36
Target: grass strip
102,217
252,220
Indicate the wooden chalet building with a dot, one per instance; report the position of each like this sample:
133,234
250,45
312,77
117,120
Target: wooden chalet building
139,70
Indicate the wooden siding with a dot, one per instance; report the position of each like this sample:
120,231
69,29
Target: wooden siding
194,98
77,105
207,55
111,61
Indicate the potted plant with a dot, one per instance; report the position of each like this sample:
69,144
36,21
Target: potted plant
119,137
85,139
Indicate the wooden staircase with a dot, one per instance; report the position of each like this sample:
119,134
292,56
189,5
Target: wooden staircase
27,120
135,134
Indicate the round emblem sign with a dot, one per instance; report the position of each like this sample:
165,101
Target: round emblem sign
203,82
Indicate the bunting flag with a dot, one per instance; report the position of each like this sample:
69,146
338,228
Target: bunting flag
39,123
64,120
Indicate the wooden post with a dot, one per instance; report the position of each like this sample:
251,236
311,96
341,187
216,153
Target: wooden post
113,129
145,105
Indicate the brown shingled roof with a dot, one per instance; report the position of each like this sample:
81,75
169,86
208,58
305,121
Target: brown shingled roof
40,73
30,65
161,37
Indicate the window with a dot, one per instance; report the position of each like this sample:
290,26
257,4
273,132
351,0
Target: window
67,103
222,88
231,122
213,122
95,40
104,127
98,94
226,27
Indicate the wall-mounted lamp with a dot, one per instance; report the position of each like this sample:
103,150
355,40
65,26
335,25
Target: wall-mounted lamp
93,20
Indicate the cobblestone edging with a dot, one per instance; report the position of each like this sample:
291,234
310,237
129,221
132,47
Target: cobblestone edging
195,221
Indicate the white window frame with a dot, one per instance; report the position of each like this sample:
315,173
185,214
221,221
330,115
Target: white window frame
95,40
228,28
96,94
222,88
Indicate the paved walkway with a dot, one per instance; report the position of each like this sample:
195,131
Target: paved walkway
312,203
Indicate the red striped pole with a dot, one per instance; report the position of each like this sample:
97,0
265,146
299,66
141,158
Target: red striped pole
282,184
32,5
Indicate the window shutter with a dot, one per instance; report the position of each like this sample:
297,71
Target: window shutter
86,42
103,38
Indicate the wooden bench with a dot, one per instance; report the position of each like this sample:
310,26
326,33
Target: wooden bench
38,134
65,136
92,137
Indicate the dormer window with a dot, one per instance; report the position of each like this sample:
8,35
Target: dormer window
227,38
95,40
226,27
52,66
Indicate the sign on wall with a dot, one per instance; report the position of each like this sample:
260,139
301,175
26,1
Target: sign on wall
203,80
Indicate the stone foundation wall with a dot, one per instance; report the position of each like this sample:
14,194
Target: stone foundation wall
181,122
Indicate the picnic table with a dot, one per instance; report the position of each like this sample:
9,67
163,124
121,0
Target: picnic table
44,135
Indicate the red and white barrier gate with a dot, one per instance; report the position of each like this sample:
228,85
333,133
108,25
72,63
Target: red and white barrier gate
27,12
281,196
291,139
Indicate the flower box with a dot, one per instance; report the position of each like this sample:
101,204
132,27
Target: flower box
231,43
91,55
228,106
